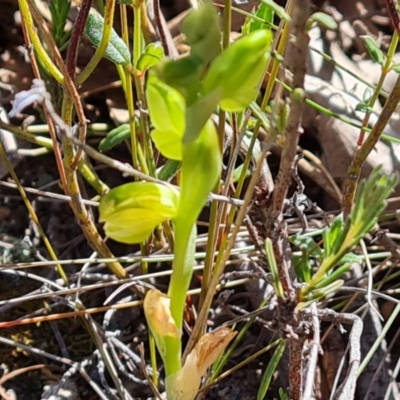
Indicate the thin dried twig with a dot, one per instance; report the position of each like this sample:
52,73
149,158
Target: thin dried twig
313,357
296,57
347,389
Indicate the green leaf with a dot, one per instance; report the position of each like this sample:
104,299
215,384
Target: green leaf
265,18
152,55
202,30
332,235
351,258
277,9
323,292
115,137
167,113
59,10
132,211
270,370
370,201
237,173
323,20
333,276
303,267
364,107
273,267
116,51
237,72
373,49
282,394
395,67
368,94
168,170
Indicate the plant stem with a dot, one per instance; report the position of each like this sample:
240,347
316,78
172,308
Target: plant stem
37,45
80,211
32,213
378,88
354,170
97,56
223,256
77,31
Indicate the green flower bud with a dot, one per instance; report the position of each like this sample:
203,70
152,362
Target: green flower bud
202,30
132,211
237,72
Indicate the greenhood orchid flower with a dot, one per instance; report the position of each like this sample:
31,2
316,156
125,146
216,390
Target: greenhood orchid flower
132,211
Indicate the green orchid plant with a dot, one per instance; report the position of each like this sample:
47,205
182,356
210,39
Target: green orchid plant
181,96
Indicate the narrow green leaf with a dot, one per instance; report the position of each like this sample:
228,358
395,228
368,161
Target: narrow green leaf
333,276
115,137
327,290
367,95
373,49
168,170
277,9
270,370
331,235
323,20
273,267
303,267
306,244
59,10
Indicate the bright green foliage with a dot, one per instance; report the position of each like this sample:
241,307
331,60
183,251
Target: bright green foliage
152,55
132,211
237,72
167,112
341,236
116,51
232,81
